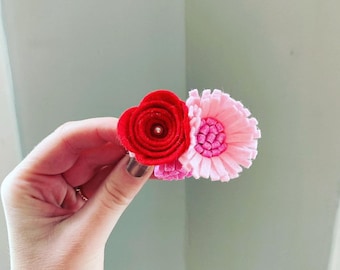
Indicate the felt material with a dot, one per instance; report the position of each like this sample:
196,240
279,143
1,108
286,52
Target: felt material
210,136
157,131
171,171
223,136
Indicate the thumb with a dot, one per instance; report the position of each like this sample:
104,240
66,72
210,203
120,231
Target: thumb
102,212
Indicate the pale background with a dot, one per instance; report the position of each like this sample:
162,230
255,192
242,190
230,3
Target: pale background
77,59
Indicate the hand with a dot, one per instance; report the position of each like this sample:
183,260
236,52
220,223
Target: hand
50,225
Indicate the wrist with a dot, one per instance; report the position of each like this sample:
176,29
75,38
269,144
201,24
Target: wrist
72,261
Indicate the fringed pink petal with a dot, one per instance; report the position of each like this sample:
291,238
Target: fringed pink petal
219,168
205,168
214,176
194,164
247,129
239,138
228,116
231,165
249,145
242,109
254,154
193,99
238,124
223,136
205,102
241,155
215,101
257,134
246,126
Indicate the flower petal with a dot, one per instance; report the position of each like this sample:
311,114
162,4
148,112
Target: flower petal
158,130
226,138
205,167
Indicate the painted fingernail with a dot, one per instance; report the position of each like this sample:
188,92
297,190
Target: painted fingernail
136,169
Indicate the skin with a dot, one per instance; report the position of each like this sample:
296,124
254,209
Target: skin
49,225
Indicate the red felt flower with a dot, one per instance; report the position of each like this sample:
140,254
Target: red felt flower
158,130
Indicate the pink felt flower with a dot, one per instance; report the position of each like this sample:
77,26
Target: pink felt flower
223,136
171,171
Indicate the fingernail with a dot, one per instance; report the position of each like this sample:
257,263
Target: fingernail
135,168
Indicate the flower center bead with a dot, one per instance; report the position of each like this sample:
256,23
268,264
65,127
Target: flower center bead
210,138
158,131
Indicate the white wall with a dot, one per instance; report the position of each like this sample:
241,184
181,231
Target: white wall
9,140
282,59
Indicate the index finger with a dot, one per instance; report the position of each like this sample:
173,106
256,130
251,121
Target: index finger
61,149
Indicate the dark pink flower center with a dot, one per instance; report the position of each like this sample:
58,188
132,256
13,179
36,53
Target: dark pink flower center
211,138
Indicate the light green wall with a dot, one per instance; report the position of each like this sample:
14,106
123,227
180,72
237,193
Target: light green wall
282,59
78,59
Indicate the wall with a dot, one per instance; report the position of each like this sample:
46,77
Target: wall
282,59
79,59
9,139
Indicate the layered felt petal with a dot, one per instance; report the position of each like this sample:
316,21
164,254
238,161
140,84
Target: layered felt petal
158,130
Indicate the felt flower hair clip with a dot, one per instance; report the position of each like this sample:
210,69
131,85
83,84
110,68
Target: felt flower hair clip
210,135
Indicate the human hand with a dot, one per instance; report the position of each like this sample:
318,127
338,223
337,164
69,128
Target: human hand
50,225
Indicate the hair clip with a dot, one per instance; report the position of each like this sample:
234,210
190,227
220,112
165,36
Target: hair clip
209,136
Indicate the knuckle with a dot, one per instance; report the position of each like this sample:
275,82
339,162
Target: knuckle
116,196
63,131
11,190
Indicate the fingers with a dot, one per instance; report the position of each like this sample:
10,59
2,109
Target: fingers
113,196
60,150
90,163
91,186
